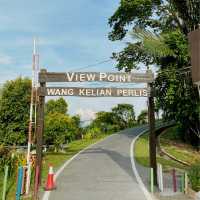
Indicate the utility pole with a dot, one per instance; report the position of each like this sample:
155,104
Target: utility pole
152,134
31,121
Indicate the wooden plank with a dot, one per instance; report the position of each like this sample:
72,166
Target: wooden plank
152,134
194,46
94,92
147,77
39,135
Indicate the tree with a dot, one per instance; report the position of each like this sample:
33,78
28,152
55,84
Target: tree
124,115
76,129
59,126
58,105
142,117
103,117
160,38
14,111
157,15
105,121
57,129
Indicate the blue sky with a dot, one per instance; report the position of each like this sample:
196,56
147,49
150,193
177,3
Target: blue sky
71,34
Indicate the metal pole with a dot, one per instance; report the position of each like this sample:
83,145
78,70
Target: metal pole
151,180
19,183
174,180
5,183
160,177
186,183
30,120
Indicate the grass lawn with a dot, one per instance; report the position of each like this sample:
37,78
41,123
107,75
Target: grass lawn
142,154
174,146
56,159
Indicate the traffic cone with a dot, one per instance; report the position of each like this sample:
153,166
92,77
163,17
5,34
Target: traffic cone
50,184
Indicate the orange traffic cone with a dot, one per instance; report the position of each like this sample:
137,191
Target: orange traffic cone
50,184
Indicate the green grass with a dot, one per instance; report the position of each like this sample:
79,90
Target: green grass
174,146
142,154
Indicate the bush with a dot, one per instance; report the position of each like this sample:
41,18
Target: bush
11,159
194,176
93,132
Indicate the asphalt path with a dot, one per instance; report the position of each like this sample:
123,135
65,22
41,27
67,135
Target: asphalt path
101,172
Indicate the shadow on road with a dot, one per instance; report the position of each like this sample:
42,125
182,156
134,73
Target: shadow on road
122,161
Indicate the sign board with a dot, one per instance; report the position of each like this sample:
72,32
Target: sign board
147,77
94,92
194,44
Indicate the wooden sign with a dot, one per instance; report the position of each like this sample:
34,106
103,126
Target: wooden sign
194,44
94,92
147,77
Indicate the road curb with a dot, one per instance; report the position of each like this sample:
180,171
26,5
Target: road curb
147,194
168,154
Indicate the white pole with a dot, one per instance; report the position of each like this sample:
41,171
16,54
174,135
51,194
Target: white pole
30,121
161,178
158,177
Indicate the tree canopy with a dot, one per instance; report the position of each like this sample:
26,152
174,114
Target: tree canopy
121,116
60,128
59,105
14,111
143,117
159,37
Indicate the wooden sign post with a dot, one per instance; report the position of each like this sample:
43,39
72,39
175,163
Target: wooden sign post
43,91
39,136
194,45
152,134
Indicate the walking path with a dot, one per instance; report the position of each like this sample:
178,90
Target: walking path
101,172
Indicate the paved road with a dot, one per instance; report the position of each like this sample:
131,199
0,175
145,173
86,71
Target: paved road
102,172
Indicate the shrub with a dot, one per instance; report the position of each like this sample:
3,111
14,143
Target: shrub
194,176
11,158
93,132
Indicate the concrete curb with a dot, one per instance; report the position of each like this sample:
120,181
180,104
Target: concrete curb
147,194
169,155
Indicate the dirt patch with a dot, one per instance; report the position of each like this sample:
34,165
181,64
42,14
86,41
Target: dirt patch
174,197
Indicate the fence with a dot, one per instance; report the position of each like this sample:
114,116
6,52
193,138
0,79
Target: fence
169,181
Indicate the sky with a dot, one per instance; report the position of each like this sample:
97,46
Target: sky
70,35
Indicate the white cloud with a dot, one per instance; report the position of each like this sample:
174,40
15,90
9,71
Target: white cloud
86,114
5,60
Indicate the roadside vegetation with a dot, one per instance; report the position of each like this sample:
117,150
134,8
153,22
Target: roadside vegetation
171,142
142,154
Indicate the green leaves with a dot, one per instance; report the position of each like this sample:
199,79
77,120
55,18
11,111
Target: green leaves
143,117
122,116
137,12
159,33
59,106
14,111
60,128
152,43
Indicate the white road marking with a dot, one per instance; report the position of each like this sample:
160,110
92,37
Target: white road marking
139,180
